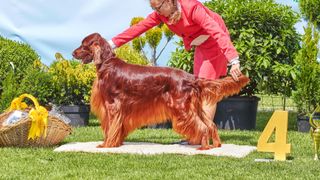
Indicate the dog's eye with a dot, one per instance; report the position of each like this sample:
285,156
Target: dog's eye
85,48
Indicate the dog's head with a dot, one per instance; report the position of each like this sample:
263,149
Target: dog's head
93,48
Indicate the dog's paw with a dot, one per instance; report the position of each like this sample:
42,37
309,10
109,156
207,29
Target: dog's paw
101,146
205,148
216,145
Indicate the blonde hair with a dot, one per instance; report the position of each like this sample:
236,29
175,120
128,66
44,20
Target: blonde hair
174,2
175,14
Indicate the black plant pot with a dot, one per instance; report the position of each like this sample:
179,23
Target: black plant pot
303,124
237,112
78,114
166,125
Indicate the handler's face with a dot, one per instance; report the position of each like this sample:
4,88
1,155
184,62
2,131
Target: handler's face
163,7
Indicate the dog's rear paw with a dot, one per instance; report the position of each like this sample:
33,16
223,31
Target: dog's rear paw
217,145
205,148
101,146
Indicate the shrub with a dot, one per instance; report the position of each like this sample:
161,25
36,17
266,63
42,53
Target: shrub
21,55
310,9
265,37
72,81
10,86
182,59
38,82
308,73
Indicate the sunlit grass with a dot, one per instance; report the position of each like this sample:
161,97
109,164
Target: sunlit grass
43,163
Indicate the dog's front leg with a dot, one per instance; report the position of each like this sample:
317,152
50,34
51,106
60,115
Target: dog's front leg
116,133
114,136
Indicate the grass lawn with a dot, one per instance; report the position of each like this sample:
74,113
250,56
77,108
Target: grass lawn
43,163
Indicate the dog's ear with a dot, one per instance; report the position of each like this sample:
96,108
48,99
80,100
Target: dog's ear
101,50
107,52
96,50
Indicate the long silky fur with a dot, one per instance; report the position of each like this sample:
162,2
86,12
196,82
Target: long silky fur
126,96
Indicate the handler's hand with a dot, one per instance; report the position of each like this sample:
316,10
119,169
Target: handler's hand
235,71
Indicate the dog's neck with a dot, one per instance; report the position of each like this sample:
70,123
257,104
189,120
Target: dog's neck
107,51
103,54
105,66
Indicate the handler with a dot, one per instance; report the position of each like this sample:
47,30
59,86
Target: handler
200,28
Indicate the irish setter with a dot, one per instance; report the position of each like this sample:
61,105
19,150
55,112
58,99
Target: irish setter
126,96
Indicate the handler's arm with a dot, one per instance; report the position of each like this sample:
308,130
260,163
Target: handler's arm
136,30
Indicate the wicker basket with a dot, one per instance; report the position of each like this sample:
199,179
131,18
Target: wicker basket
17,133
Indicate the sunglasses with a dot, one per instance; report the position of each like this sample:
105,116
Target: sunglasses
159,7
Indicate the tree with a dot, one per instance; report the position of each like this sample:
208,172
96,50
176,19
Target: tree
307,81
153,38
310,9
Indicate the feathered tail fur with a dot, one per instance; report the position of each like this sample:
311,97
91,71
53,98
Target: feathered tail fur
215,90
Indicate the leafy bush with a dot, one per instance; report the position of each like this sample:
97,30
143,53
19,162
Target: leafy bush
182,59
263,33
311,10
10,86
72,81
37,82
21,55
131,55
307,81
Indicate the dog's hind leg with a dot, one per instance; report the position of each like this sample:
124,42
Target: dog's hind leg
194,129
209,112
204,133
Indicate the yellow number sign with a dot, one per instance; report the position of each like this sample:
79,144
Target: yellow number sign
278,123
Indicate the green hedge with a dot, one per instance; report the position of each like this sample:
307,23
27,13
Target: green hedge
36,81
20,54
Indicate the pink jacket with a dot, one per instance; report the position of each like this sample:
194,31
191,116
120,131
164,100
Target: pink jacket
196,20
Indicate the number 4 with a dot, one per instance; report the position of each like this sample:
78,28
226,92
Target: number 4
278,123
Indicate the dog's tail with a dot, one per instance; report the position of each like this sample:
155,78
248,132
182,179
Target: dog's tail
215,90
